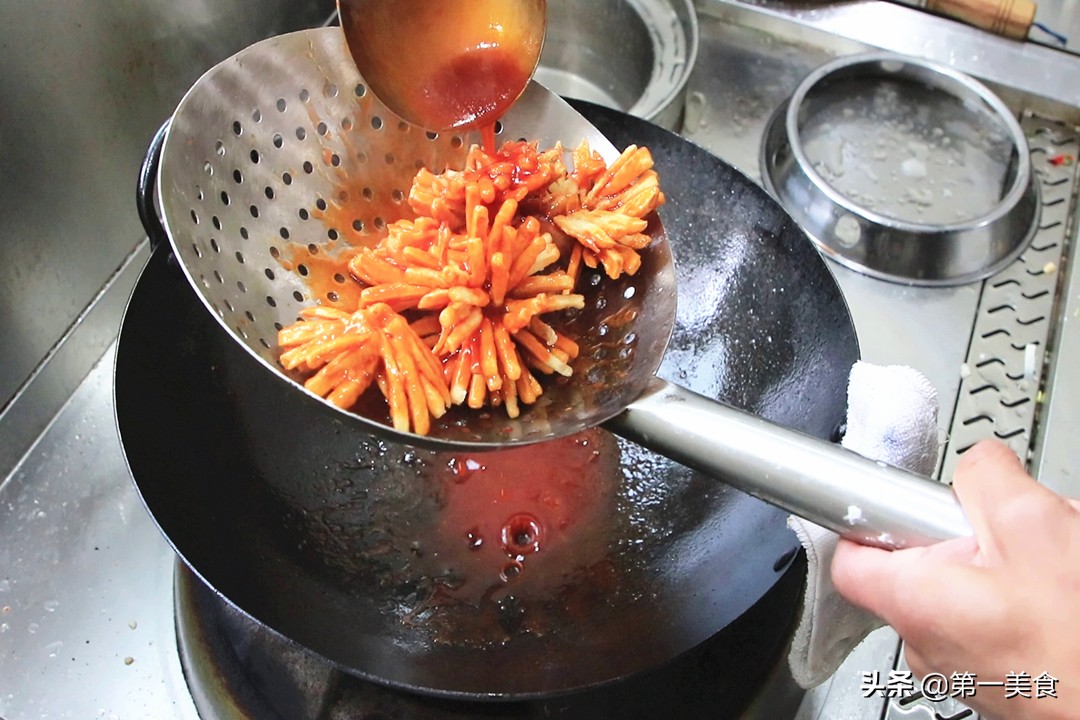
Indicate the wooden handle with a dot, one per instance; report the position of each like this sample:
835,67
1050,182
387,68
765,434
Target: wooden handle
1010,18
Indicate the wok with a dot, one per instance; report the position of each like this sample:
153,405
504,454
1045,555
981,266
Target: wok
521,572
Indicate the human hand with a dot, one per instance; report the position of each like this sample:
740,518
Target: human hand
1003,602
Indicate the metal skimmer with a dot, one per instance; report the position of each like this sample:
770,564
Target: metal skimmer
280,157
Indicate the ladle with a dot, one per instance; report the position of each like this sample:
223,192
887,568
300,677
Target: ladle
445,64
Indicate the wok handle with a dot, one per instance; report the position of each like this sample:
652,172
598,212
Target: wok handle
862,500
144,191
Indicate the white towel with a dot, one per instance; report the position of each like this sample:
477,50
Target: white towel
892,416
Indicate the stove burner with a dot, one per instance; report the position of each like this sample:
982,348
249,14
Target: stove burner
238,668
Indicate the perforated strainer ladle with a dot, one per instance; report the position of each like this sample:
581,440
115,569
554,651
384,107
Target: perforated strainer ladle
280,157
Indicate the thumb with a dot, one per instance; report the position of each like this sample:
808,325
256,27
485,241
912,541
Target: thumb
884,581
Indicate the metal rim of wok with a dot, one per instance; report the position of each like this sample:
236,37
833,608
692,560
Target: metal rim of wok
304,522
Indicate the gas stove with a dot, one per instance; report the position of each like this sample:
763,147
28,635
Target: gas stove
94,610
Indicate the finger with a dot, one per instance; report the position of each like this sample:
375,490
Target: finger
1005,505
988,476
881,581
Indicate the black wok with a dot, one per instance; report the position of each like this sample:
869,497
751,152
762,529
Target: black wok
493,575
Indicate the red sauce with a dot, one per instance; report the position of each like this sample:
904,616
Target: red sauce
487,135
474,88
540,510
327,277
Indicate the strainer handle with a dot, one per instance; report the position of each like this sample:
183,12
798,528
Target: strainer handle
862,500
144,193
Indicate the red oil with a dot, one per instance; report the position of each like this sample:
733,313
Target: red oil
524,520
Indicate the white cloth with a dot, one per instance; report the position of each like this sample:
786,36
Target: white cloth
892,416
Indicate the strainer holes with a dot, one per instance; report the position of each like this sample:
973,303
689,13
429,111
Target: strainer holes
368,193
303,214
498,127
390,159
278,326
256,115
376,122
278,140
274,252
432,135
241,287
237,176
308,167
358,225
339,278
359,90
321,204
456,142
286,178
214,245
403,126
332,234
347,125
335,159
397,195
237,128
313,248
242,331
330,90
229,305
199,193
361,157
332,296
343,197
208,168
225,198
269,274
221,280
262,341
419,164
380,224
244,232
301,133
194,217
254,210
298,296
239,257
255,157
268,192
248,314
198,250
216,222
282,105
219,148
304,95
271,301
284,233
302,269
